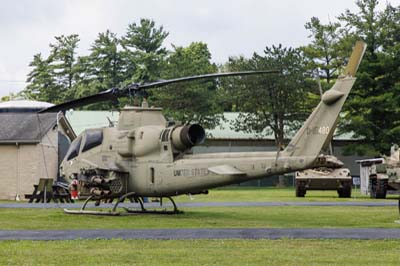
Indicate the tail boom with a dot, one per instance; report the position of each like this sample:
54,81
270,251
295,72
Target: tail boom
318,130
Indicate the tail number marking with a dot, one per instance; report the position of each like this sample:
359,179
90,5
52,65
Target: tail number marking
324,130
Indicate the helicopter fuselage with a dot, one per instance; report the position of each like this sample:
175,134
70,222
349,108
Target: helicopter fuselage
155,161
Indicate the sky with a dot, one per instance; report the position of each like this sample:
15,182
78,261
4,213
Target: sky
229,27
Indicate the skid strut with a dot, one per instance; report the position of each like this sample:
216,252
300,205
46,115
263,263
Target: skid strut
144,210
132,196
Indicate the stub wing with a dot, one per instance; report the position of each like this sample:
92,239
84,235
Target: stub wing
226,169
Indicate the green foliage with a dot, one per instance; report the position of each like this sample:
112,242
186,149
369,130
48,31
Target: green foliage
41,86
189,101
328,49
62,60
112,62
372,112
52,79
366,24
106,62
143,45
274,102
101,70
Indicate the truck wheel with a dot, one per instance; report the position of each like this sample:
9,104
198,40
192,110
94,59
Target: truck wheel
345,190
300,189
381,189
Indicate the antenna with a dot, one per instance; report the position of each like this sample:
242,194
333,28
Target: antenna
110,122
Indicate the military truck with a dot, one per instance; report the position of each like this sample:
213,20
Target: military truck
329,174
384,174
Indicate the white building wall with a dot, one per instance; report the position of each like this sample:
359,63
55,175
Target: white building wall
8,171
22,165
364,179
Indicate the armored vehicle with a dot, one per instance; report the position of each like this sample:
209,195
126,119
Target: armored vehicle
384,174
329,174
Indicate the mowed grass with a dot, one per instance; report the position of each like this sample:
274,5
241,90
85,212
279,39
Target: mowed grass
219,217
212,217
209,252
259,194
200,252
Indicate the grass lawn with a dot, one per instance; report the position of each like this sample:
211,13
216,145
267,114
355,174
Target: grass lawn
210,252
275,194
212,217
200,252
259,194
220,217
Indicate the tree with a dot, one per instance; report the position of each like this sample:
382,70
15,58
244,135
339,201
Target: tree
102,69
143,51
106,60
191,101
62,60
52,79
372,112
42,86
276,102
328,49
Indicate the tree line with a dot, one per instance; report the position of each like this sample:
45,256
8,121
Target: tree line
275,103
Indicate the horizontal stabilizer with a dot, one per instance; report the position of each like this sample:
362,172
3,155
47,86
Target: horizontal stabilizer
225,169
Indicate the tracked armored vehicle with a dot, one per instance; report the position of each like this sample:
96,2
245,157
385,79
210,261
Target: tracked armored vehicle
329,174
384,174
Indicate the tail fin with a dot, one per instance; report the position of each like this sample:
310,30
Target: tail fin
318,130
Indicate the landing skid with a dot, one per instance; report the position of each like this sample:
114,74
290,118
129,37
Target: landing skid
114,212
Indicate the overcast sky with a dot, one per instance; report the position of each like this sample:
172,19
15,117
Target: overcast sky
230,28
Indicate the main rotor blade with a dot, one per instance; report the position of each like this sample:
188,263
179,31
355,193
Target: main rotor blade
162,83
108,95
114,93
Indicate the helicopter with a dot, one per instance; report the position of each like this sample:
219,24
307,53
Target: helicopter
146,156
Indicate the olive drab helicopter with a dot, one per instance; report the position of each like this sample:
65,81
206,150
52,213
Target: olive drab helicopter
146,156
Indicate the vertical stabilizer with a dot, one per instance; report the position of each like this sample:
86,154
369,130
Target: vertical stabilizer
320,126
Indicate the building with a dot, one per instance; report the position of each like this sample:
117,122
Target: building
31,146
23,106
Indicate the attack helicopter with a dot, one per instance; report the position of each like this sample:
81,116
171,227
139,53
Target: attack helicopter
146,156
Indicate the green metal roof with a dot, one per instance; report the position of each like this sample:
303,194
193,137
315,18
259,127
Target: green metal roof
81,120
225,130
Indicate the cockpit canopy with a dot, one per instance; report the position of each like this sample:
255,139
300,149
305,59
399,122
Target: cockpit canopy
88,140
